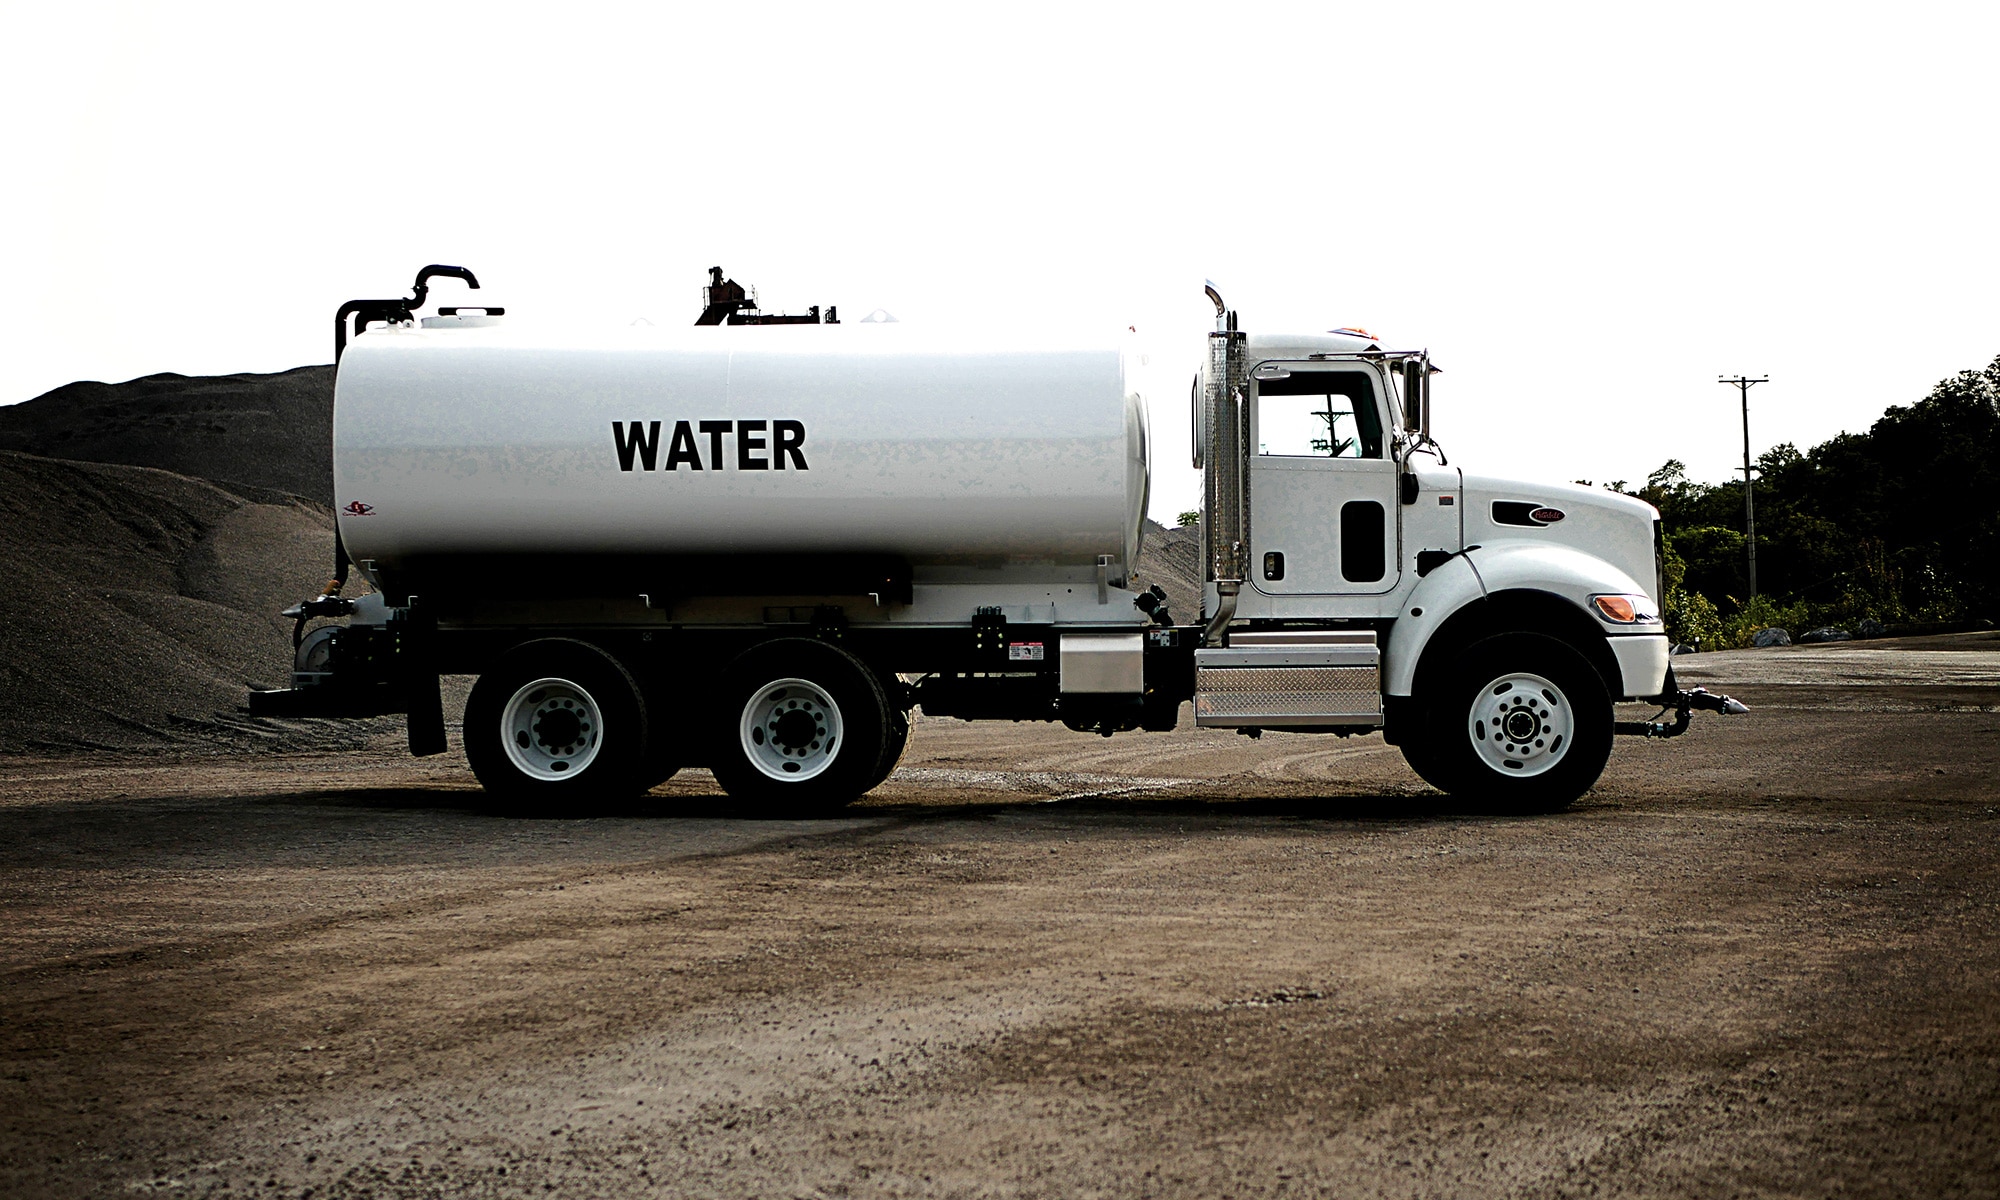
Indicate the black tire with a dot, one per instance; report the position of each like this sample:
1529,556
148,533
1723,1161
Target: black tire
578,737
802,728
1523,723
893,747
1420,753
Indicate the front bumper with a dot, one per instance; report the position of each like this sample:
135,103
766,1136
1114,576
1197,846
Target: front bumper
1643,659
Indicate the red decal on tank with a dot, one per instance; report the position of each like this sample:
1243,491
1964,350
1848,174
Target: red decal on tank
358,509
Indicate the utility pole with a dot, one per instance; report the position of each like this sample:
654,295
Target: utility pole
1743,385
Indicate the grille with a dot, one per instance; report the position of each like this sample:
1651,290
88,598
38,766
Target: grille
1277,693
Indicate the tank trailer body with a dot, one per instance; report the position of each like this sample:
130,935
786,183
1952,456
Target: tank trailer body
757,550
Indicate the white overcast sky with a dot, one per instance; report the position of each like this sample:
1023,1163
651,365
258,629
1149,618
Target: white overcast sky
1587,212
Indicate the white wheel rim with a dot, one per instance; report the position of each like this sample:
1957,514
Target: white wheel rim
551,729
1522,725
791,730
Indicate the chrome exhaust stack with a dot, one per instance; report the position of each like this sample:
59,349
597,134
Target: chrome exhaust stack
1226,498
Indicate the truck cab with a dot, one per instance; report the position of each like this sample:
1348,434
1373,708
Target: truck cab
1498,620
1355,507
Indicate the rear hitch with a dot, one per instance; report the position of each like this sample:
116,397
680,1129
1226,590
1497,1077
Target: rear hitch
1683,705
329,603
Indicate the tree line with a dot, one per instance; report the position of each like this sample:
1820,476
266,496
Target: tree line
1898,526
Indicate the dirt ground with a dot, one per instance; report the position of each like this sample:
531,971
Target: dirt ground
1756,960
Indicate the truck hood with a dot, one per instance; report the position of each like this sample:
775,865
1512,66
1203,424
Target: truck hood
1614,527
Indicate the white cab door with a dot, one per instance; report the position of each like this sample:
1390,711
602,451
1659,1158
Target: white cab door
1323,506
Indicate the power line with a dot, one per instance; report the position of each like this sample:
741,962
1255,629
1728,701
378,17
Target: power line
1743,384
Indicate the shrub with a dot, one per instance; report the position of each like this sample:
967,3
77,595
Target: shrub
1763,612
1690,616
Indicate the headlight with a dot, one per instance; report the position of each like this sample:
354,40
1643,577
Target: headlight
1625,610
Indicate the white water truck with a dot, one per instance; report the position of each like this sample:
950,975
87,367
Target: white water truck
755,545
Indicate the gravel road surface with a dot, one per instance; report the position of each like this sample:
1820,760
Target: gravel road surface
1759,959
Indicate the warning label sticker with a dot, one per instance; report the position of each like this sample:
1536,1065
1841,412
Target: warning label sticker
1024,652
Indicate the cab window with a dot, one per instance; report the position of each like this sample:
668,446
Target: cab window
1318,414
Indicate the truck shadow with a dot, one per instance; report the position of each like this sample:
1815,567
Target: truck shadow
401,825
1331,807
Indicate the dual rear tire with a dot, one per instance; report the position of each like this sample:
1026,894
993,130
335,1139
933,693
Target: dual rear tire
805,728
556,723
796,727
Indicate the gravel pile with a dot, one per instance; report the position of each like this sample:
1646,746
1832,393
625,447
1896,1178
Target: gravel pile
149,533
136,605
1172,559
266,431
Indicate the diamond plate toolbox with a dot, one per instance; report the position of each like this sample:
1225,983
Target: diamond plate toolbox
1290,679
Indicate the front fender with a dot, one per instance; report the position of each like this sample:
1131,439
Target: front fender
1498,566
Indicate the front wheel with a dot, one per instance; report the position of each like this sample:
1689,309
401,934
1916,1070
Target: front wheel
804,728
1522,724
1423,758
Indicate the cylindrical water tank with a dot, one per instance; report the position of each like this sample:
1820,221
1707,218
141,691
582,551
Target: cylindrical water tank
482,439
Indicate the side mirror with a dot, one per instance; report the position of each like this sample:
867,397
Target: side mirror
1194,413
1416,395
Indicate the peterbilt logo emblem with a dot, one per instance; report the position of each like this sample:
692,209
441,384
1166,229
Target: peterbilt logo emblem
759,445
1547,516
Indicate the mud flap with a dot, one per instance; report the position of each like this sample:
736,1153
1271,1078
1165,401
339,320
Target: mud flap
426,719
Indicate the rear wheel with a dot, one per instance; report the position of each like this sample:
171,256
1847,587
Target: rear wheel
805,727
554,722
892,750
1522,724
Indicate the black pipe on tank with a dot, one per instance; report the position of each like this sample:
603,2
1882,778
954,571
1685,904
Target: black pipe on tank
393,310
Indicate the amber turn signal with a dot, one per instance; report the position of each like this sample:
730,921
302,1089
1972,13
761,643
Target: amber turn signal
1623,610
